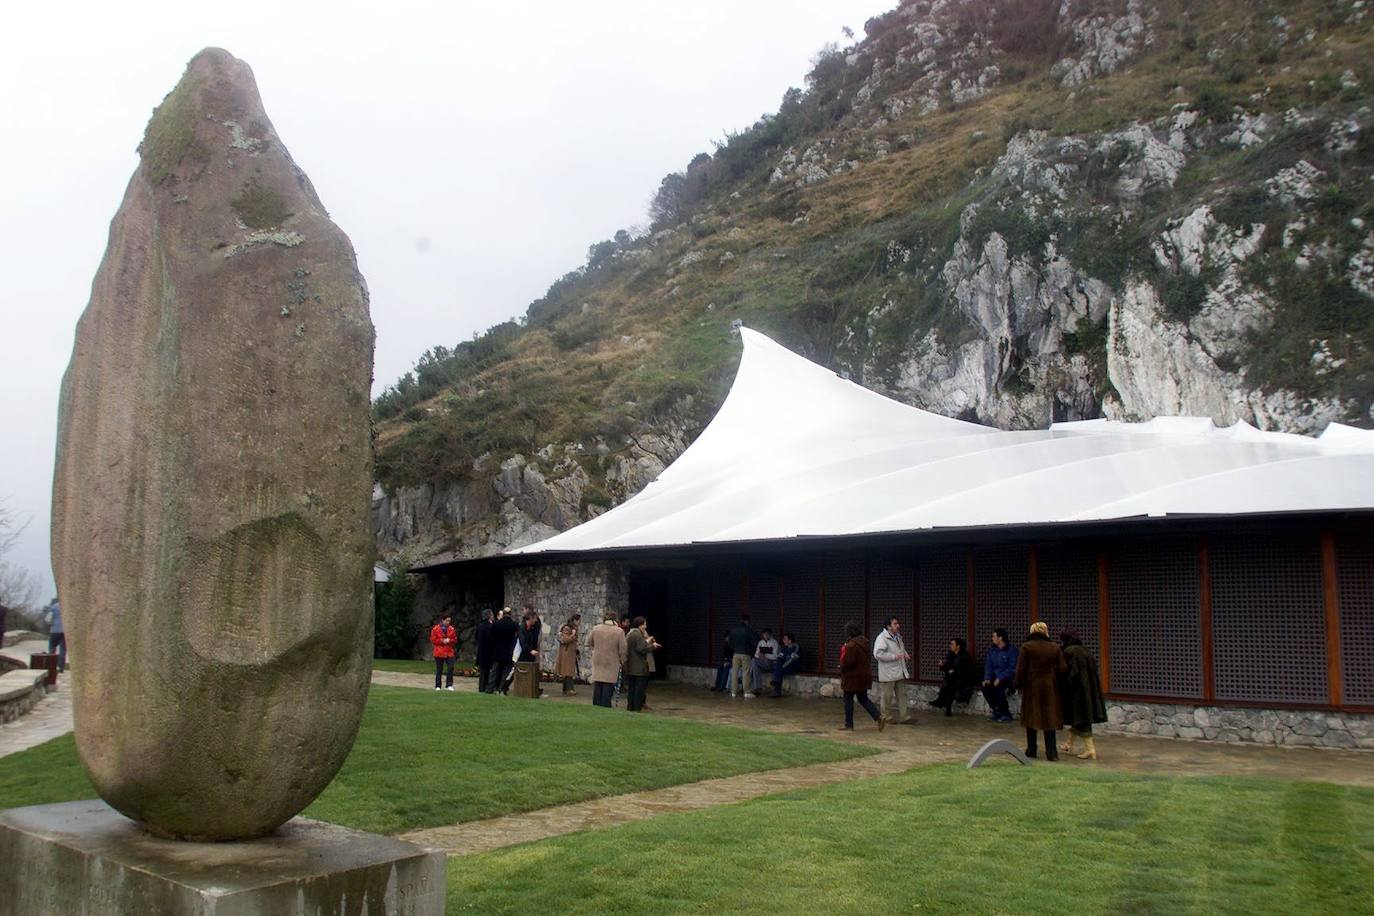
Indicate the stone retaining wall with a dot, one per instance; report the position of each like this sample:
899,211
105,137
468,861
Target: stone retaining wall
1273,727
558,591
14,707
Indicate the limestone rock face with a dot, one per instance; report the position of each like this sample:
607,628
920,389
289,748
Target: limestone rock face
210,531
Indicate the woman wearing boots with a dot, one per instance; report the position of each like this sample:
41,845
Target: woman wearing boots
1081,693
1038,667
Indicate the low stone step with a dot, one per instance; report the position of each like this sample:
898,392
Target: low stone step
16,684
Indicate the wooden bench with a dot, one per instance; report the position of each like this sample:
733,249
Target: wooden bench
20,691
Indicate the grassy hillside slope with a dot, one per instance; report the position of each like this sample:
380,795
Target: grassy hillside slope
854,225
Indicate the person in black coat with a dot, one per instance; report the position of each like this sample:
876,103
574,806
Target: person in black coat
1080,692
960,677
530,628
504,634
483,640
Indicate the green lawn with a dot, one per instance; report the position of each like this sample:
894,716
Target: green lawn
943,839
44,774
423,759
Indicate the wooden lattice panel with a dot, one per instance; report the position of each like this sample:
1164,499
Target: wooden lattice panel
844,601
892,593
802,609
1355,578
1001,595
690,597
1268,618
765,600
943,580
1068,592
724,581
1155,618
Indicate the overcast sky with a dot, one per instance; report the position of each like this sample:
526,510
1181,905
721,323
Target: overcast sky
471,151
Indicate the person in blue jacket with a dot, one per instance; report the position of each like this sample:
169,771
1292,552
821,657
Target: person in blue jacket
57,634
789,662
999,672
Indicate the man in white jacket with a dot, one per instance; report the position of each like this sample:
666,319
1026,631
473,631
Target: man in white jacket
893,670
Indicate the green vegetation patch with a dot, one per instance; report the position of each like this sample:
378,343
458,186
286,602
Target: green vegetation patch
423,759
1002,839
259,207
44,775
170,139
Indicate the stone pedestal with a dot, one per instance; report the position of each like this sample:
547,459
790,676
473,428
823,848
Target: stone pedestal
84,857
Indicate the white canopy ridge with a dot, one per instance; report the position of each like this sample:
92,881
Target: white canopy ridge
797,451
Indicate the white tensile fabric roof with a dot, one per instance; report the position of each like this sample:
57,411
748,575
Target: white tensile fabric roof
797,451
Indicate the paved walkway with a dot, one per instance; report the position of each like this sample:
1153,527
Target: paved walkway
47,720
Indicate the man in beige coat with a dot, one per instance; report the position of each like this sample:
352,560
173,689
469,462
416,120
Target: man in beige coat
609,649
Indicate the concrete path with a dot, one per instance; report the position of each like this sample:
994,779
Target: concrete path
480,836
47,720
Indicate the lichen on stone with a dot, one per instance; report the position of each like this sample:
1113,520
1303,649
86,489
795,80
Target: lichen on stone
240,140
259,207
170,139
253,239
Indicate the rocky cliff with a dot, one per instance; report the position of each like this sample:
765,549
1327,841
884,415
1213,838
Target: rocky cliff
1014,211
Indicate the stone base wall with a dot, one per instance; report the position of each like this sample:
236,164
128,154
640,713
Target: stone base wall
15,707
558,591
1289,728
1273,727
469,593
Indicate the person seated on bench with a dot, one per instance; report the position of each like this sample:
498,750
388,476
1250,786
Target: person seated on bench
765,658
788,664
999,675
960,676
723,670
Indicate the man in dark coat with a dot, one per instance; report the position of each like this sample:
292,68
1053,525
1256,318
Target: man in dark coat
504,633
483,640
529,636
960,677
638,649
1038,666
742,643
1080,691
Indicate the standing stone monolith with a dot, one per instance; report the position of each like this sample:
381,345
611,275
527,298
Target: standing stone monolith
210,534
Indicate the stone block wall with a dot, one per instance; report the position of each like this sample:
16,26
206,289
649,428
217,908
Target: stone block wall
471,593
12,707
557,591
1288,728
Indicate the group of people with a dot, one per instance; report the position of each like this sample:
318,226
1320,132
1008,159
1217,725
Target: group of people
748,657
1059,682
621,648
501,642
622,658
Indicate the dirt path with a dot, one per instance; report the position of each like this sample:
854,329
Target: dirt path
480,836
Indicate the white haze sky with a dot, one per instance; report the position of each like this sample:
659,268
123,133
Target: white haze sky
471,151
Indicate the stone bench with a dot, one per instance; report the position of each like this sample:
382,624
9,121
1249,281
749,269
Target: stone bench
20,691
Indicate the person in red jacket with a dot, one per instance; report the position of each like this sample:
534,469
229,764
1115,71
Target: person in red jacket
444,638
856,675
